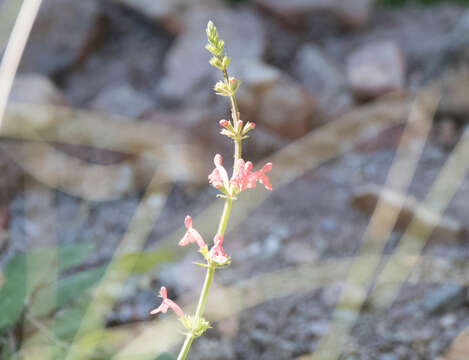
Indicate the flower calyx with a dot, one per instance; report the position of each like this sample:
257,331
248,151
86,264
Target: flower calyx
195,326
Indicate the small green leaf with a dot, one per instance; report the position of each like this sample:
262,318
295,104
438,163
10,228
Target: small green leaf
59,294
13,292
73,255
141,262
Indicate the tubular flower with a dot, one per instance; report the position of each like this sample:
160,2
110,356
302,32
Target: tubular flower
217,254
219,177
244,178
262,177
191,235
167,304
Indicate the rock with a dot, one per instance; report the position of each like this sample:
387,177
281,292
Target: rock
122,100
273,243
261,143
454,85
443,298
449,52
63,33
130,51
324,79
287,109
350,13
36,89
186,66
445,228
296,253
388,357
448,320
447,133
169,13
375,69
187,286
274,100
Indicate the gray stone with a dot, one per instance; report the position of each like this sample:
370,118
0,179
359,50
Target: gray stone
61,36
36,89
169,13
296,253
375,69
122,100
444,298
350,12
187,70
324,79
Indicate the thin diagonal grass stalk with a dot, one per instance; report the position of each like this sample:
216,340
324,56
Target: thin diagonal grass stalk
227,301
133,240
396,270
15,48
380,226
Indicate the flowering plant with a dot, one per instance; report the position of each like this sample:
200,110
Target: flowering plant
229,187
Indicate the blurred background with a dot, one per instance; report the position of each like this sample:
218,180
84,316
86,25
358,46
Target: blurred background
359,253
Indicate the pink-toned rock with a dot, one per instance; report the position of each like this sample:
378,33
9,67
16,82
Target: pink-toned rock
287,109
274,100
376,69
349,12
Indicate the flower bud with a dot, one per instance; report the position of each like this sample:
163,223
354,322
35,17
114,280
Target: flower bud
224,123
248,127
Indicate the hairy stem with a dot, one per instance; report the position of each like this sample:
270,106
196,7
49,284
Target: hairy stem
235,115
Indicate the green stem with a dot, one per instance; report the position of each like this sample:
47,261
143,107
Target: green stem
221,231
185,347
208,280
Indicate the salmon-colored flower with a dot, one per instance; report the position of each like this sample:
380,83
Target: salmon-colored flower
217,254
191,235
219,177
262,177
244,178
167,304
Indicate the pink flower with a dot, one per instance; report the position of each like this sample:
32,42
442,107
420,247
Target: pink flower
244,178
167,304
242,175
191,235
219,177
262,177
217,253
